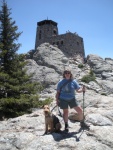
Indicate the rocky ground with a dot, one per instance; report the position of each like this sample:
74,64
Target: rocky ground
26,132
47,63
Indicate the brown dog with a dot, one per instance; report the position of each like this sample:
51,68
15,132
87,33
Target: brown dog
51,121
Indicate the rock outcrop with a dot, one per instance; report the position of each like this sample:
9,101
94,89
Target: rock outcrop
47,63
26,132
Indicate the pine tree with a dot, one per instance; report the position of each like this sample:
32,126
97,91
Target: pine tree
16,90
8,36
8,48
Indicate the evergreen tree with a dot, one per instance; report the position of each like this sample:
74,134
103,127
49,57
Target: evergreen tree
8,36
16,90
8,48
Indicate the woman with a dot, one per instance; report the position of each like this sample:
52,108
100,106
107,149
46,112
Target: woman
65,97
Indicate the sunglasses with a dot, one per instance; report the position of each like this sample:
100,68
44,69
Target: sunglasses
67,73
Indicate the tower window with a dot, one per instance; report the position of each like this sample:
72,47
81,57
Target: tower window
55,32
40,34
62,42
77,43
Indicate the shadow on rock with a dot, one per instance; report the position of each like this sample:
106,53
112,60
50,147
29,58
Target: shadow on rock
63,135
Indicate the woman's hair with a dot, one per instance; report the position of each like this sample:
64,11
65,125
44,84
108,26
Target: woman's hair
67,70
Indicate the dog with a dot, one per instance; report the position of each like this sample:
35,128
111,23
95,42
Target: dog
52,123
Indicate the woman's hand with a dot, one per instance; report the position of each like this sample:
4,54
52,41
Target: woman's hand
82,89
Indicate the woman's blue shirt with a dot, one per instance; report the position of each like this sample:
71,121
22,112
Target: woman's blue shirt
67,92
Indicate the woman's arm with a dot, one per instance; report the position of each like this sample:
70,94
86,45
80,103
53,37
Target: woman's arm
81,89
57,97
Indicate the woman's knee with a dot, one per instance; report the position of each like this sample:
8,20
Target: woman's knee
78,109
65,111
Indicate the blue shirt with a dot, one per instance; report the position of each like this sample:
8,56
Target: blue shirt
67,92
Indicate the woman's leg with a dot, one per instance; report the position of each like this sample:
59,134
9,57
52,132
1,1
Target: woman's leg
65,117
81,117
80,112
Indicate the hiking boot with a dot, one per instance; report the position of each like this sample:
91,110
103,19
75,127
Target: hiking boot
66,128
84,125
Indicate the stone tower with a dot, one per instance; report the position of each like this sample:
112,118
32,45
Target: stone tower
69,43
45,30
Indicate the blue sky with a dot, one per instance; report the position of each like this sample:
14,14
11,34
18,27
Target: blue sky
90,19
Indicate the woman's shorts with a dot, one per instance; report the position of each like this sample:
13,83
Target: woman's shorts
64,104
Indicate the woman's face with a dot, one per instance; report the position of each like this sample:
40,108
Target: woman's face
67,74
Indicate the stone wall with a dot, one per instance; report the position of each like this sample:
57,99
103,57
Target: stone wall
70,43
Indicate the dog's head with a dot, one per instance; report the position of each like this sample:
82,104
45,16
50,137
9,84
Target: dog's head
46,110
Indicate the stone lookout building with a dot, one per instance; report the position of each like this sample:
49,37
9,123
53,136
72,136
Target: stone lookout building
70,43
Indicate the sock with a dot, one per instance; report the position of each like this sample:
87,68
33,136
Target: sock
66,125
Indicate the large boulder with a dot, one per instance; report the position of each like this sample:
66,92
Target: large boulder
98,64
51,57
42,74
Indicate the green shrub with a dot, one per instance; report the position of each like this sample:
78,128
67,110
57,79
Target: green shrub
10,107
89,77
91,73
104,94
40,103
80,66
